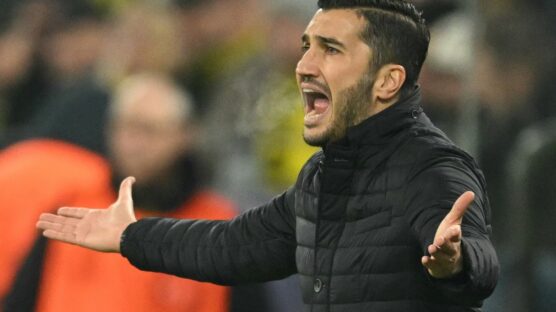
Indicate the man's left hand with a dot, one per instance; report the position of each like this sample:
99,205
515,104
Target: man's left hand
445,259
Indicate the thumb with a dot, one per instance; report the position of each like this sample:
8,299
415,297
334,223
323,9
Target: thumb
124,196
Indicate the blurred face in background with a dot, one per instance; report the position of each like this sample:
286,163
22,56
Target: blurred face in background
71,52
142,39
147,132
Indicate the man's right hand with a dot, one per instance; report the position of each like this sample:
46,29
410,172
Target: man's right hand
97,229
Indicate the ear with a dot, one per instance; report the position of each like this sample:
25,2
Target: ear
389,81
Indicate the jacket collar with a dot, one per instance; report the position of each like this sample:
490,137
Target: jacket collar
379,128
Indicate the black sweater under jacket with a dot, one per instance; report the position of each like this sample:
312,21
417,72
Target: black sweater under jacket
354,226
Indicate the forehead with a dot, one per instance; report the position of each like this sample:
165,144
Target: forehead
342,24
147,103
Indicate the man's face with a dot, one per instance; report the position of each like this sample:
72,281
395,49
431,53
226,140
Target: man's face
334,75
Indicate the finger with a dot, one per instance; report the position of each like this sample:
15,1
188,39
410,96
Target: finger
124,195
433,249
73,212
436,246
428,262
58,219
434,261
425,261
64,237
45,215
460,207
448,250
436,267
44,225
449,244
58,227
445,253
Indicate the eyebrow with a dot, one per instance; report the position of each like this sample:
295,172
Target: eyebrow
325,40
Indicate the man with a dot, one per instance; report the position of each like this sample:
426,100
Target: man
373,223
151,119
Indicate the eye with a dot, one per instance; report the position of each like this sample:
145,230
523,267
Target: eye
332,50
305,47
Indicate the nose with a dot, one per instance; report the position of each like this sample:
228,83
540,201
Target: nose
307,65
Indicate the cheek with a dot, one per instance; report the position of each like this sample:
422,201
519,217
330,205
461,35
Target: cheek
121,144
344,78
165,150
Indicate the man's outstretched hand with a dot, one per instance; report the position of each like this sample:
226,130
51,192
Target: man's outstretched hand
445,258
97,229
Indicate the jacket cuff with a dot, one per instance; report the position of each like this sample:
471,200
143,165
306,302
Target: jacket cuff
481,264
129,245
477,279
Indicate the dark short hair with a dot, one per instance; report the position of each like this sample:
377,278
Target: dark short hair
396,32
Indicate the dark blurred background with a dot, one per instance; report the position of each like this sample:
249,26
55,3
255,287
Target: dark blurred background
488,83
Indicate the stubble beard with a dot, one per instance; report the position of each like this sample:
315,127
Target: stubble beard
352,108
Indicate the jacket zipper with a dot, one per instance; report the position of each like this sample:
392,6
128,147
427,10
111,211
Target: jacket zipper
317,226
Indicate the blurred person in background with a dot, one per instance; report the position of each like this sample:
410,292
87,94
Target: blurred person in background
539,198
143,36
223,36
137,37
22,72
57,91
532,252
513,66
513,81
151,135
444,76
86,55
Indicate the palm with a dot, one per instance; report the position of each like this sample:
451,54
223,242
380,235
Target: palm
90,231
97,229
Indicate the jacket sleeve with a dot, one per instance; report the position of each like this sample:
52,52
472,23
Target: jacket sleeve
257,246
431,192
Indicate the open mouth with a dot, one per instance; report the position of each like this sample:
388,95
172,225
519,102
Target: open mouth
316,102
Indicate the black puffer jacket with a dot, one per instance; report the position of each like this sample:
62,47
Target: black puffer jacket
354,226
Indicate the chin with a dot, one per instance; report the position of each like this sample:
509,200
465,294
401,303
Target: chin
314,138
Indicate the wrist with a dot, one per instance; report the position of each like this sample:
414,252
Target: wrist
120,236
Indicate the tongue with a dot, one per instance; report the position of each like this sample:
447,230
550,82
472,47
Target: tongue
321,104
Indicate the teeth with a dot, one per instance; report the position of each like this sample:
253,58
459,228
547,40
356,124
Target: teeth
309,91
